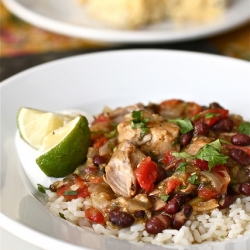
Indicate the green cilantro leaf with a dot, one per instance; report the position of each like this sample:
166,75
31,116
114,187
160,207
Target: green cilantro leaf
211,115
244,128
210,153
182,167
62,216
197,117
225,142
41,188
70,192
107,134
216,144
164,197
184,124
193,179
183,155
139,122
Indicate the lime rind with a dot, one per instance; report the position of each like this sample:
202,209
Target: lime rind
63,158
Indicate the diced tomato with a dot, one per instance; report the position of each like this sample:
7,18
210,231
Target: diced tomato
211,116
192,109
146,174
220,169
94,215
101,118
169,158
81,191
201,164
172,184
100,142
206,193
60,191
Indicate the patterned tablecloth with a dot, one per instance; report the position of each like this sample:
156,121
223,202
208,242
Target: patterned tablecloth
19,39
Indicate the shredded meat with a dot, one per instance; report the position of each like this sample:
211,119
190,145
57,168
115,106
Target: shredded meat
162,135
120,169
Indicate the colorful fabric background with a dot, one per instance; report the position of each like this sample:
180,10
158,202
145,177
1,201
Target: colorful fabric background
20,38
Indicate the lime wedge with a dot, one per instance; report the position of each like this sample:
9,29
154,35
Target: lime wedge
34,125
65,148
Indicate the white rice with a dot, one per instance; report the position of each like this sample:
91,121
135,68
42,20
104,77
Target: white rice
216,226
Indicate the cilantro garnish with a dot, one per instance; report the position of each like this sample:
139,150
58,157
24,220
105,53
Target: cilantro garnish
107,134
181,167
244,128
232,183
62,216
193,179
183,155
139,122
164,197
184,124
210,153
70,192
207,116
211,115
41,188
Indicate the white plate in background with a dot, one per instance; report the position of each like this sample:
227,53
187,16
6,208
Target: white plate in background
88,83
69,18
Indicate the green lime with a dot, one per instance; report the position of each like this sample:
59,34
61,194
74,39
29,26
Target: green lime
65,148
34,125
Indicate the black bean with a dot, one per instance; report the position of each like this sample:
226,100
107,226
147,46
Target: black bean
181,217
186,138
223,125
180,198
201,128
99,160
234,189
215,105
172,207
140,214
120,218
187,211
158,223
226,202
240,156
245,188
162,174
240,140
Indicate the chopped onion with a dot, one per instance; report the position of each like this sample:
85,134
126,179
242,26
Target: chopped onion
105,149
205,205
219,182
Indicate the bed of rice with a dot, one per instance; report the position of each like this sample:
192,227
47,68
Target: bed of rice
219,225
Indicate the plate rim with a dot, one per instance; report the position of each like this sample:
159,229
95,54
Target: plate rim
9,80
128,50
113,35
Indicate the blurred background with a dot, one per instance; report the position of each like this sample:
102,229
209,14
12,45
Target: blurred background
23,45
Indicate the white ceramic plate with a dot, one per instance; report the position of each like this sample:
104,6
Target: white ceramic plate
70,19
90,82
